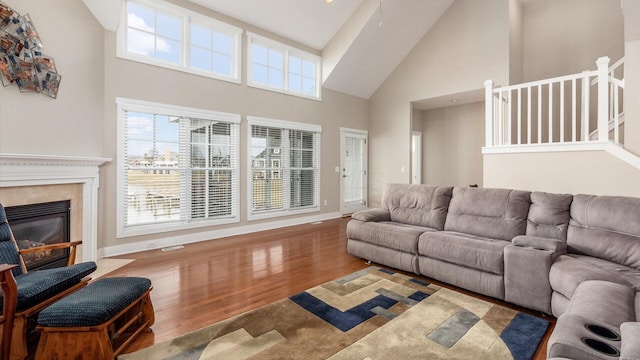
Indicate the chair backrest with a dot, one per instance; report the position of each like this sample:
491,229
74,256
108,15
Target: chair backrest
8,248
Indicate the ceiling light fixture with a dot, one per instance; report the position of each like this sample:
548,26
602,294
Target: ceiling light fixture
328,1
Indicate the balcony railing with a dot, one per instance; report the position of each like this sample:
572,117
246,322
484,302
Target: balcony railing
580,108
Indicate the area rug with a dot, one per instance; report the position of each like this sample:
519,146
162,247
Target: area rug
373,314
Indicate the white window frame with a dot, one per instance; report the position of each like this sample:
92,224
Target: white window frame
123,105
187,16
288,51
289,125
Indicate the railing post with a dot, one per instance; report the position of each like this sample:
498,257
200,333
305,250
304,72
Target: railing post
603,98
488,113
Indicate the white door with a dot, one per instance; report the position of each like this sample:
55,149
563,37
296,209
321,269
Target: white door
353,170
416,157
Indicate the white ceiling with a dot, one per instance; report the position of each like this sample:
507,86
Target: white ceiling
376,41
309,22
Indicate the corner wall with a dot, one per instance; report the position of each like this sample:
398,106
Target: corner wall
468,45
452,149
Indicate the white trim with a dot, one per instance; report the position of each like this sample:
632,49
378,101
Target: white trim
288,51
187,16
31,170
532,148
210,235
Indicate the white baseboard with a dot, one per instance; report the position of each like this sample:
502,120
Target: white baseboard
162,242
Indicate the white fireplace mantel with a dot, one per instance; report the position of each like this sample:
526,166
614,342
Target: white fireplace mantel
32,170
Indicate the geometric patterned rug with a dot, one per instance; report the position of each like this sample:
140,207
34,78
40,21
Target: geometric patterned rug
372,314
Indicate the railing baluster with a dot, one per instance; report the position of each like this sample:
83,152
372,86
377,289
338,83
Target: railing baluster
539,114
509,117
573,110
550,140
616,114
562,101
501,119
519,116
529,115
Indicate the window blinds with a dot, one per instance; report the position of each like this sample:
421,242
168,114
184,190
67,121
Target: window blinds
178,168
284,167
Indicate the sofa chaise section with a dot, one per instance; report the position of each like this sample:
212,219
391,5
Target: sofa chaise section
603,243
389,235
469,253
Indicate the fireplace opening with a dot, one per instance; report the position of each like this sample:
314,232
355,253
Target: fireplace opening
41,224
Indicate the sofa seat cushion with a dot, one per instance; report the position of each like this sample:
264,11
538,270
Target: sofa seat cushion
569,271
391,235
471,251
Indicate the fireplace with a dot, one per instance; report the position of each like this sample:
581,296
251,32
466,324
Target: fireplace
40,224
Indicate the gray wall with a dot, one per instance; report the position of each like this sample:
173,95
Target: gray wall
467,46
72,124
452,149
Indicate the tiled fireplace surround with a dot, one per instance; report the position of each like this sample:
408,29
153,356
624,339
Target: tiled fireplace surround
31,179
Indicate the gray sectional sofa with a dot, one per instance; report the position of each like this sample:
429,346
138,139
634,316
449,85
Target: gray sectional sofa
574,256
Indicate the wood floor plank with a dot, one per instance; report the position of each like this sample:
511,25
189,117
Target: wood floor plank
209,281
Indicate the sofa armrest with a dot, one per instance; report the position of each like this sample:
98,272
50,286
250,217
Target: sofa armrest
372,215
540,243
630,346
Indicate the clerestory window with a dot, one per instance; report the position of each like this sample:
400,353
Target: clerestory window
160,33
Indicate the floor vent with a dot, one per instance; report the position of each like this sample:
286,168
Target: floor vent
170,248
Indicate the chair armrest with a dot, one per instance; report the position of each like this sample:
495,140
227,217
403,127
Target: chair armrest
540,243
630,346
72,245
372,215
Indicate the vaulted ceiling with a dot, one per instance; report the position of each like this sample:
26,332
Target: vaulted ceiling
361,41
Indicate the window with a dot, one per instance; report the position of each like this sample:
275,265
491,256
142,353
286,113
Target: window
278,67
177,167
163,34
284,168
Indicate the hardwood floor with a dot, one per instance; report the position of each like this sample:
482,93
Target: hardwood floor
210,281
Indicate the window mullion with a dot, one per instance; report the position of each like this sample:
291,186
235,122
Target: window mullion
186,41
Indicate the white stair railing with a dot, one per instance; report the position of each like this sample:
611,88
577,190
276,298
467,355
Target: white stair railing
560,110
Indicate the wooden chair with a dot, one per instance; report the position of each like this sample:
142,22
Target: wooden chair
37,289
10,297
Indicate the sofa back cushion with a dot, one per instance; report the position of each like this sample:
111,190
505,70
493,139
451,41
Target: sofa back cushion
606,227
491,213
549,215
417,204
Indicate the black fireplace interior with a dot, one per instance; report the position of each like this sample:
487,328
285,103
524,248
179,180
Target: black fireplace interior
41,224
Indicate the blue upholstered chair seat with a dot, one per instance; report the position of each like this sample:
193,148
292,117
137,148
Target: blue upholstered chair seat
94,304
37,286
